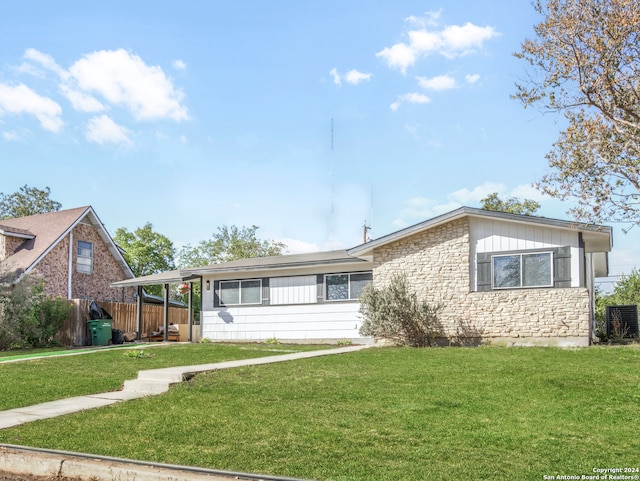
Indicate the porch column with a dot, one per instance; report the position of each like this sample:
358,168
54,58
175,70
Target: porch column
139,314
190,320
166,312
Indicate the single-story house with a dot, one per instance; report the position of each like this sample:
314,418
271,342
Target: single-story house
70,249
504,278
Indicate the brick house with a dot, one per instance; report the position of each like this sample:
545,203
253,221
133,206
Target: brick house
504,278
70,249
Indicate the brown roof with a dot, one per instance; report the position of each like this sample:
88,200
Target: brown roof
15,232
46,231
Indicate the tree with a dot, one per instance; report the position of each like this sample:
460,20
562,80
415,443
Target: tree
586,64
147,252
27,201
625,292
228,244
512,205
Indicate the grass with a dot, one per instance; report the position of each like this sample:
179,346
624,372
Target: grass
45,378
382,414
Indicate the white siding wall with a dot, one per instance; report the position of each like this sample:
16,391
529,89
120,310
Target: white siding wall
499,236
293,290
326,321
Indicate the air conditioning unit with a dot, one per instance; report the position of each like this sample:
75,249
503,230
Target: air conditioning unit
622,321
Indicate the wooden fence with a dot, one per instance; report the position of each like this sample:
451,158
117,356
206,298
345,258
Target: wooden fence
74,331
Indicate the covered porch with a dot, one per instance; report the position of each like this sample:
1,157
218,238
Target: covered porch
165,279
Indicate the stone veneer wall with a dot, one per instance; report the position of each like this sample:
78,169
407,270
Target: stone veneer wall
437,265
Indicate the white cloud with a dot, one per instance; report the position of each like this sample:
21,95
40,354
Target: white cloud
399,56
46,61
472,78
179,65
11,136
336,77
22,100
462,40
410,98
430,18
450,41
354,77
422,208
81,101
528,191
103,130
440,82
123,78
474,196
295,246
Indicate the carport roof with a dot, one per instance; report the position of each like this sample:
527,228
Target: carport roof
168,277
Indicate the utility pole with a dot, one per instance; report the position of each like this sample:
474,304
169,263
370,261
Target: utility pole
365,229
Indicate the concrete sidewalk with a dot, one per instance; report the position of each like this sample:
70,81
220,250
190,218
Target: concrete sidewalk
148,383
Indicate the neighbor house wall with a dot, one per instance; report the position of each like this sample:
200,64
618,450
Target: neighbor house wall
54,268
8,244
438,266
105,270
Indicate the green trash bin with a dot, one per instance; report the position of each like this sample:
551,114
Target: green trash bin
100,331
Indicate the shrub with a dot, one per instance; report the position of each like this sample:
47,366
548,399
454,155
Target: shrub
395,313
27,317
17,305
40,329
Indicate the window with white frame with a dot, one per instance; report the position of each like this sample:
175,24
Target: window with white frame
342,287
241,292
84,262
522,270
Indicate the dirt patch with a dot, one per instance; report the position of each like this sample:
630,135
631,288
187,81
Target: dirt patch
28,477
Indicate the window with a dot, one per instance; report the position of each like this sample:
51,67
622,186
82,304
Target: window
240,292
522,270
85,257
342,287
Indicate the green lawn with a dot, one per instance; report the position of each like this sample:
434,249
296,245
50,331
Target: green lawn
46,379
382,414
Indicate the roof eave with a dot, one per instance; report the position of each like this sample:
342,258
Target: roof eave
278,266
169,277
593,229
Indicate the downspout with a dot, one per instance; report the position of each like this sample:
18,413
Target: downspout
70,268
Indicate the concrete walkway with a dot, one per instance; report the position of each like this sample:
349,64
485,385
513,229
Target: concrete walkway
148,383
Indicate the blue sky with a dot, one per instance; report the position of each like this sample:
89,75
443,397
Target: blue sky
304,118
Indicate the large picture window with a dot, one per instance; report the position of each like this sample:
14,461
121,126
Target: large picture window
241,292
522,270
84,260
342,287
